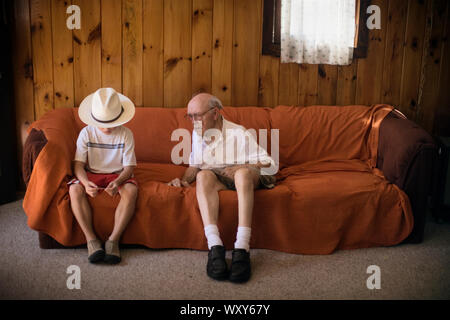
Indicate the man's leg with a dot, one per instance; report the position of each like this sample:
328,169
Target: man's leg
83,214
124,212
208,187
245,180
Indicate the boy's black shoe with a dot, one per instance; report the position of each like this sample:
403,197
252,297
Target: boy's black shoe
217,266
240,270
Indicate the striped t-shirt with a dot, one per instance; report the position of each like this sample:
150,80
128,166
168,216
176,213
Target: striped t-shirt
105,153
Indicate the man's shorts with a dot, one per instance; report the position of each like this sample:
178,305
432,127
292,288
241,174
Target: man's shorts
265,181
102,180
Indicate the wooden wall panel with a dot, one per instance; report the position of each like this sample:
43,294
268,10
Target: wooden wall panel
268,81
412,57
41,38
370,69
22,74
441,124
160,52
393,55
222,52
111,42
346,84
87,50
327,84
177,53
62,56
307,84
246,51
202,29
132,50
288,84
153,55
428,99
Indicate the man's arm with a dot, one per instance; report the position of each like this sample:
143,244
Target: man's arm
188,177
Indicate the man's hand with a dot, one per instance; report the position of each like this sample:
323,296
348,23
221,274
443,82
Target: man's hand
112,188
177,182
91,189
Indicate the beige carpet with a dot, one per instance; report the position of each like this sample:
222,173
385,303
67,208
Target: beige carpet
407,271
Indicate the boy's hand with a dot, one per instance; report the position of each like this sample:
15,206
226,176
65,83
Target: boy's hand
91,189
112,188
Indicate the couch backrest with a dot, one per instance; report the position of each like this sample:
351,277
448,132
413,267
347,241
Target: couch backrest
322,132
305,133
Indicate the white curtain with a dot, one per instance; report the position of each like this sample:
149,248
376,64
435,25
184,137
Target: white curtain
317,31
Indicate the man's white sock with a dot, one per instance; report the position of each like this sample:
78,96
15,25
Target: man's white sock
212,235
243,238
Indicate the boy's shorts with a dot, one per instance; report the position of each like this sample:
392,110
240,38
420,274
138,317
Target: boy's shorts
102,179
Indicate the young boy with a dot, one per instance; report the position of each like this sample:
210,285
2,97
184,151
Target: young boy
104,161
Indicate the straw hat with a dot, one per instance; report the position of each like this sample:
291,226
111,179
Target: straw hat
106,108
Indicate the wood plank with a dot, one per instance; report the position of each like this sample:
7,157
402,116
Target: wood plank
132,50
393,54
288,84
442,114
327,84
177,53
429,99
153,55
62,55
412,57
370,69
307,84
246,51
111,15
268,81
41,37
346,84
222,53
202,28
22,75
87,50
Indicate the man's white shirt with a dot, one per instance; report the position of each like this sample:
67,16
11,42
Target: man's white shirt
232,146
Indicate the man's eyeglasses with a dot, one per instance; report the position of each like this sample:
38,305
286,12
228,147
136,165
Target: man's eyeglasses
197,116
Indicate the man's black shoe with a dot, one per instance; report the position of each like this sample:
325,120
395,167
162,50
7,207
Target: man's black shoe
217,266
240,266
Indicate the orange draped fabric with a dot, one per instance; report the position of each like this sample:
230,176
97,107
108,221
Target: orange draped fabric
329,194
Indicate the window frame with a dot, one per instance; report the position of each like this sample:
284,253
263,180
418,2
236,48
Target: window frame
271,37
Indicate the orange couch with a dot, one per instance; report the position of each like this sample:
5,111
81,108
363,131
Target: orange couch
329,195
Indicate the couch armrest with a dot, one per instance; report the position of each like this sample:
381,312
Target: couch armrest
33,145
407,155
48,161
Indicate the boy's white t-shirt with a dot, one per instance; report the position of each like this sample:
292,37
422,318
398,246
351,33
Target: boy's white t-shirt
106,153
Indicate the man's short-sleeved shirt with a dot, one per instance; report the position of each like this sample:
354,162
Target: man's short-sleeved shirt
105,153
235,140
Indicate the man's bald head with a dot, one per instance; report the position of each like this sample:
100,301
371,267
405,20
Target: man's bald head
203,102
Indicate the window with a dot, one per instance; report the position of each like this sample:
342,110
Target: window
272,28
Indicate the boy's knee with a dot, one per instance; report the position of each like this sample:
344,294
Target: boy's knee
76,191
129,191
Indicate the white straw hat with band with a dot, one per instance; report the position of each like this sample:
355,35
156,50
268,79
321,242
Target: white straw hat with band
106,108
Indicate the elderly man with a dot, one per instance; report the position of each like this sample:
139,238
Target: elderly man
210,163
